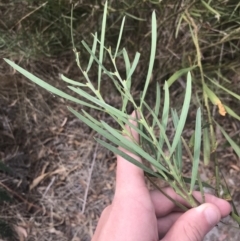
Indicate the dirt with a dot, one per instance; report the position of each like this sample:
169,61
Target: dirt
62,179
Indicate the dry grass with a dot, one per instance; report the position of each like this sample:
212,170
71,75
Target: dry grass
36,31
64,180
40,137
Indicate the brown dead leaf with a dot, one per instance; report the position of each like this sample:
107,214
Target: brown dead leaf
21,232
221,109
41,153
53,230
76,239
43,175
61,169
37,180
112,167
35,118
44,168
13,103
64,122
235,167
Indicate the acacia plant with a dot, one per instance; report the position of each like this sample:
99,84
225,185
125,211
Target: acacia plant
163,157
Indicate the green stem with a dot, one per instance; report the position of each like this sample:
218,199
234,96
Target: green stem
178,204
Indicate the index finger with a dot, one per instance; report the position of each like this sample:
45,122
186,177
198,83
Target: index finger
129,175
164,206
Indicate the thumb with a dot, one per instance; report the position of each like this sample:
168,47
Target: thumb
194,224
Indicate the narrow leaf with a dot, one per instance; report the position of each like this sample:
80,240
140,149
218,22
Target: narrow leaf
128,80
184,113
119,37
134,17
127,62
164,114
162,132
103,31
100,103
210,9
101,131
165,106
93,120
231,112
134,65
152,56
214,99
94,47
178,25
178,74
197,150
157,104
127,157
134,146
233,144
178,153
72,82
47,86
206,146
110,75
138,130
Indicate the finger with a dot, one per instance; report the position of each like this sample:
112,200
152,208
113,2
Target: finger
102,222
165,223
195,223
129,176
164,206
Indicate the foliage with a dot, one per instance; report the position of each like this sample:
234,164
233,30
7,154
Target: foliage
6,230
162,155
40,29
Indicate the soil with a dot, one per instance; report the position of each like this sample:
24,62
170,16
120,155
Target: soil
62,180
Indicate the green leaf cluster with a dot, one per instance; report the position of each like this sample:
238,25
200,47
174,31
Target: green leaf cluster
163,157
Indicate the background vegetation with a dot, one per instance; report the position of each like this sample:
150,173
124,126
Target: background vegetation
36,35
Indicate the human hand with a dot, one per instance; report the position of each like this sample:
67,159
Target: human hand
137,214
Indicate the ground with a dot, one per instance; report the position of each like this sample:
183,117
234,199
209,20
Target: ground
62,179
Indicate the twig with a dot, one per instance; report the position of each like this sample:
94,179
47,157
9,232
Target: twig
48,187
20,197
38,208
27,15
178,204
89,179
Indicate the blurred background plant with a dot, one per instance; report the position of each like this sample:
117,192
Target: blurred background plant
6,230
201,36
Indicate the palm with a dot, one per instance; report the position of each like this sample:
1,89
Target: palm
137,201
